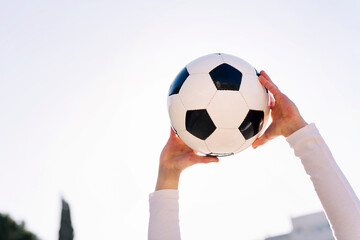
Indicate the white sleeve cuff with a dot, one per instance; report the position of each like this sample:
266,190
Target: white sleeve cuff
299,136
164,194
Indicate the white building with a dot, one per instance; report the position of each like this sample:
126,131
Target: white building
308,227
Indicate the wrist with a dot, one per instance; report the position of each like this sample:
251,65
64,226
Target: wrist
167,179
293,126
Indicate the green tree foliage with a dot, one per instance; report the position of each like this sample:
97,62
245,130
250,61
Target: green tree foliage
10,230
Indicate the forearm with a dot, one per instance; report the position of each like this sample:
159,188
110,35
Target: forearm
164,206
340,203
167,179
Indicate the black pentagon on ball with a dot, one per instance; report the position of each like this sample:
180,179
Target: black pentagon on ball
199,123
226,77
252,124
178,82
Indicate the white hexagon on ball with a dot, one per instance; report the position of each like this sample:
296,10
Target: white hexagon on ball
197,91
254,93
177,112
194,142
227,109
246,144
240,64
231,140
204,64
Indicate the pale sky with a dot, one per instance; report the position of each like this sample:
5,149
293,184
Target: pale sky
83,91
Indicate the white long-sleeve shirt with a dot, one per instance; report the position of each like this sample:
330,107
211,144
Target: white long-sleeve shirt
338,199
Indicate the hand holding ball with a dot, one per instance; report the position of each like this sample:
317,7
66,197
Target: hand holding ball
217,105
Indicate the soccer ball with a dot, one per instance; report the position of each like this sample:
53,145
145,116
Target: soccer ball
217,105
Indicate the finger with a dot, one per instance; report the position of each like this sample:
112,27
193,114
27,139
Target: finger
272,102
268,135
260,141
176,138
269,85
209,159
181,146
204,159
262,72
172,133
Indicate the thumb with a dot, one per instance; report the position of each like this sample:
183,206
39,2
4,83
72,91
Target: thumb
209,159
172,132
203,159
265,137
